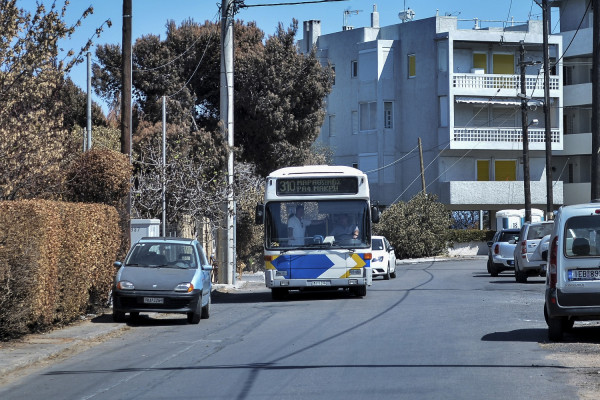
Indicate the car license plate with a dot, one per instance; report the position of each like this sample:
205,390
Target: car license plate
584,274
320,283
154,300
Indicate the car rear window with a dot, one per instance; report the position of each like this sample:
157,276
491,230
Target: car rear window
582,236
508,236
539,231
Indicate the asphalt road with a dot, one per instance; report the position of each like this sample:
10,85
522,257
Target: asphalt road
440,330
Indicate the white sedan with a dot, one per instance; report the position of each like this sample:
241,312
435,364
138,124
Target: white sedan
383,262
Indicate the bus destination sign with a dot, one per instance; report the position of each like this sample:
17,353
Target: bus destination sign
316,186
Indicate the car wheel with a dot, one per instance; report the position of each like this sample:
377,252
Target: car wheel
278,293
134,315
493,269
118,316
387,273
393,275
206,309
360,291
520,276
556,327
194,317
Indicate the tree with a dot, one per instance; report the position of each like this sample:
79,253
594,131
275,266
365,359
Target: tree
34,143
417,228
279,92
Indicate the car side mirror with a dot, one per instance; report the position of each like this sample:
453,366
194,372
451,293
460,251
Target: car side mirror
118,264
259,214
207,267
490,243
375,214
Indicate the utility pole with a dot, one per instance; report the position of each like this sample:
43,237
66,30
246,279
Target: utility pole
226,235
89,101
422,169
595,184
163,170
126,98
547,123
525,125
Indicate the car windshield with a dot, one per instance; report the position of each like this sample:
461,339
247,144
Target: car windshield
162,254
582,236
377,244
539,231
316,224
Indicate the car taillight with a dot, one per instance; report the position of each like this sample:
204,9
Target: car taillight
552,270
524,247
496,249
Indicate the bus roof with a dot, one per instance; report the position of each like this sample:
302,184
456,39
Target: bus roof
312,170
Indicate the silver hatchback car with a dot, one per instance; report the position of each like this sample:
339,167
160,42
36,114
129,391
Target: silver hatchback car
573,278
164,275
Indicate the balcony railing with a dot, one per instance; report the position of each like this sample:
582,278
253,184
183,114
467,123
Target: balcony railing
493,81
502,135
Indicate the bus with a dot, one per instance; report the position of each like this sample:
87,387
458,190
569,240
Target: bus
317,229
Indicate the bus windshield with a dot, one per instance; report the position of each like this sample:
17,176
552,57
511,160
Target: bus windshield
313,224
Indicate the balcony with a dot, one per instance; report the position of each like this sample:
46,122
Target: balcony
501,139
502,85
495,195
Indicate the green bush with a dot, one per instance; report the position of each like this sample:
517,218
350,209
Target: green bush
55,262
417,228
469,235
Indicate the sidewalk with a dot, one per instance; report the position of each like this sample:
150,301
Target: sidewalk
38,348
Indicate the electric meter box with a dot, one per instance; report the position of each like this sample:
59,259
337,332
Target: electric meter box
144,228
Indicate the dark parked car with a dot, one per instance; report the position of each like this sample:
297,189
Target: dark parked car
165,275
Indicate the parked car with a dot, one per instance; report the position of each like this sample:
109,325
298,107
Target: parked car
164,275
573,278
501,253
383,262
528,261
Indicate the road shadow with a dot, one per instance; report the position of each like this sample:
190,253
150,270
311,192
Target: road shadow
519,335
264,296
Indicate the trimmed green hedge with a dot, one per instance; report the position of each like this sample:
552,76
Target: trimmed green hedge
469,235
55,262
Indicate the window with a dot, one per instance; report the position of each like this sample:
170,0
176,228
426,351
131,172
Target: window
332,125
504,64
354,122
480,61
388,115
368,113
505,170
483,170
353,68
443,57
412,66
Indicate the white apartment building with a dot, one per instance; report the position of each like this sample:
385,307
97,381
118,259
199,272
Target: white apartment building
455,88
576,29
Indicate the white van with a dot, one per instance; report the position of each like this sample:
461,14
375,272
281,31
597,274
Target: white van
573,278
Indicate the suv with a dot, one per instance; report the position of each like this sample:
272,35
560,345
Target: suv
164,275
573,278
528,260
501,254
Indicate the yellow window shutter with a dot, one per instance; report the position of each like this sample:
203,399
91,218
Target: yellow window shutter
483,170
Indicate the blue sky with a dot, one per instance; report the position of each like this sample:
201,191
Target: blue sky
150,16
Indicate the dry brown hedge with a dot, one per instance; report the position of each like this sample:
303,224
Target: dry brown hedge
55,262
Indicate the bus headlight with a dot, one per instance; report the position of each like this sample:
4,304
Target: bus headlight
352,281
356,272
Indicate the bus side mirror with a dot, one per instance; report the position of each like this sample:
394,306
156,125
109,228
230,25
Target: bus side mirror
259,215
375,214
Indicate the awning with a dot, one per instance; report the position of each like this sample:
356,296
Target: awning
497,100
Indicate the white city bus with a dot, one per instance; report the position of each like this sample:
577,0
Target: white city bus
317,225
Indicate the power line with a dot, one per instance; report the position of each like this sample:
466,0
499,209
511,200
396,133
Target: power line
242,5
